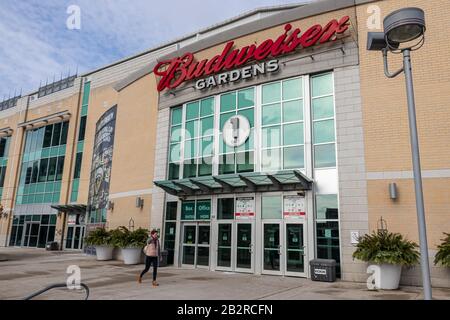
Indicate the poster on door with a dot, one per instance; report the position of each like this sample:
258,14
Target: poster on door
245,208
294,207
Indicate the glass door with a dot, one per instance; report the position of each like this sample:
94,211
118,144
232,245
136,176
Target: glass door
189,244
272,249
294,249
203,246
31,235
224,246
74,240
244,247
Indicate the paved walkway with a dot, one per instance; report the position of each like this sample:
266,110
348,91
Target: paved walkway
27,271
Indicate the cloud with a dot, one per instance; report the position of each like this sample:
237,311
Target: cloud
36,45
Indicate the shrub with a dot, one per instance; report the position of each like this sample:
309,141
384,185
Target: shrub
443,254
124,238
99,237
387,248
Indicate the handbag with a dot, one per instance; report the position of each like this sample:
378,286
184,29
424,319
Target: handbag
145,249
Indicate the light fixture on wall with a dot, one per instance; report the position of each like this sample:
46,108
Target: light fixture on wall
139,202
393,192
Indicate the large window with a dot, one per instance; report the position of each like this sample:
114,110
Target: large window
198,138
282,121
240,159
199,210
170,230
4,150
43,164
175,143
322,105
33,230
327,220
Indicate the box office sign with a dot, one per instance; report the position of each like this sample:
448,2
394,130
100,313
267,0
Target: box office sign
294,207
192,210
245,208
178,70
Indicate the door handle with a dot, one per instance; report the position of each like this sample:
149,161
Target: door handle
279,250
250,249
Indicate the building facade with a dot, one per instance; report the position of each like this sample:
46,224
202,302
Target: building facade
255,145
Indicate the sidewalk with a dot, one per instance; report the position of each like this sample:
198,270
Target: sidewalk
28,271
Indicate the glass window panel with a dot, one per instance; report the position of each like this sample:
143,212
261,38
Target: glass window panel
175,152
293,134
203,212
246,98
294,157
191,149
272,207
56,134
65,129
192,110
192,129
207,126
323,108
43,170
324,131
325,156
205,167
245,162
224,118
271,114
188,213
227,164
48,136
207,107
271,160
322,85
60,169
207,145
225,209
34,175
293,111
174,171
271,137
171,211
52,169
249,144
292,89
271,93
177,115
250,115
175,135
190,169
327,207
228,102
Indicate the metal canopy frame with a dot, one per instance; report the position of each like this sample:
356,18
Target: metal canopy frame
292,180
71,208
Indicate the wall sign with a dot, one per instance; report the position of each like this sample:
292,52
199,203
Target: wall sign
236,131
245,208
188,210
176,71
72,219
294,207
203,210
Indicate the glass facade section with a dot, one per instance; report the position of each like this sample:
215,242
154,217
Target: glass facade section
4,150
282,125
32,230
170,230
238,159
175,143
43,164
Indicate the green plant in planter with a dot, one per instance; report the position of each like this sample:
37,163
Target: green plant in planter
124,238
99,237
443,254
387,248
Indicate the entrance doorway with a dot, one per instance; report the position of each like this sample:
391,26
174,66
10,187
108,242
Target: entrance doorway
235,246
75,235
284,248
196,245
31,234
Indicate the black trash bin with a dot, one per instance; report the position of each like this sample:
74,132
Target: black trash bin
164,254
52,246
323,270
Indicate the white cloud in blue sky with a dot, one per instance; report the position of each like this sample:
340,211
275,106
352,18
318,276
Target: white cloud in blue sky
35,43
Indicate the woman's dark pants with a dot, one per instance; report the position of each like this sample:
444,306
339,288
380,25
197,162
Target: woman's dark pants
149,261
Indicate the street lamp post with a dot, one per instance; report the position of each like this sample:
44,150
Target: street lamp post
401,27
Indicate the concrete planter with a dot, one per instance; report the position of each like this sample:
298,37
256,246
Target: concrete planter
104,253
389,276
131,256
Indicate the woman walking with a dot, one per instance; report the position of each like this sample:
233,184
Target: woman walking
153,256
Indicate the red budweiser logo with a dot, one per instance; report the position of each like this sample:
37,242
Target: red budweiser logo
180,69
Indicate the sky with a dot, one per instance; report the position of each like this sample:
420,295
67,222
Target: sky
36,44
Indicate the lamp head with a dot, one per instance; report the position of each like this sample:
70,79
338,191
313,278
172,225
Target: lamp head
404,25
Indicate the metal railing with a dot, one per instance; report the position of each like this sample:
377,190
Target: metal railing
56,286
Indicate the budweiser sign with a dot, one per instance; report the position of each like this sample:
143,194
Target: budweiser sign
185,68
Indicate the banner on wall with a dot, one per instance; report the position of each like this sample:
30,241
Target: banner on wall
294,207
102,161
245,208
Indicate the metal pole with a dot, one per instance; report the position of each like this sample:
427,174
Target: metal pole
426,280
